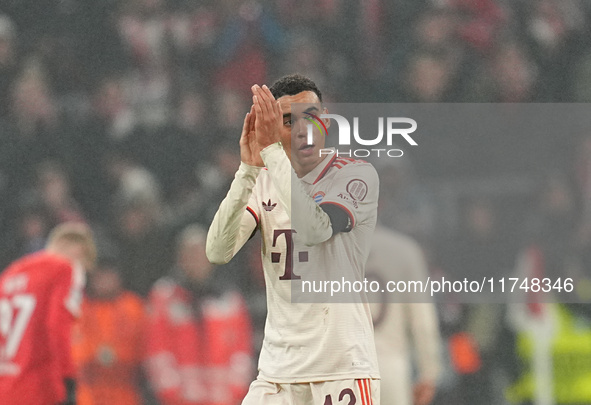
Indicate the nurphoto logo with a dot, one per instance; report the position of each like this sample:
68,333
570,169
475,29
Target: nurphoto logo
394,126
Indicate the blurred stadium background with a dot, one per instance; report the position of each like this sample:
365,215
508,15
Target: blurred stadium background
126,114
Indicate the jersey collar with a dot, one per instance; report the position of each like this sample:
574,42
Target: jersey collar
320,170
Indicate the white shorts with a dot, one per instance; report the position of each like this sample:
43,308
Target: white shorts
339,392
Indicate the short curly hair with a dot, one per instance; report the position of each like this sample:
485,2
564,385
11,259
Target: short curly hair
291,85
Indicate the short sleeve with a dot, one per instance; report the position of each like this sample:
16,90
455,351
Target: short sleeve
355,189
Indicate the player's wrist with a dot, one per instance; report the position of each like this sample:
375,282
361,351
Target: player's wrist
269,151
251,163
266,143
247,168
271,147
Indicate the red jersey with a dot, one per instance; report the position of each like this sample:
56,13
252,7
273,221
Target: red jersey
198,358
40,296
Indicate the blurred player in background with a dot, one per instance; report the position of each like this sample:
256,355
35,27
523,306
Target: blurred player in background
108,345
403,329
40,297
199,335
313,353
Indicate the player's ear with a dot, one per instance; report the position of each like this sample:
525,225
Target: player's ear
326,120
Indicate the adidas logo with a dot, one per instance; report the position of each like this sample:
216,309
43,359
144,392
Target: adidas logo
268,206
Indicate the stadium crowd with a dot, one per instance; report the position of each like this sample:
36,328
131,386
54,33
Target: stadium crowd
126,115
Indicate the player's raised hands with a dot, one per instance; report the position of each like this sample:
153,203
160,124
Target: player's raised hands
249,148
269,116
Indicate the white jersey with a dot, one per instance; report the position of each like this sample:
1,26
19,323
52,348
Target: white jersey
401,328
308,342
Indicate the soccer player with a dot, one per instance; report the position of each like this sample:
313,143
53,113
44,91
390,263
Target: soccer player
404,328
40,296
313,353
